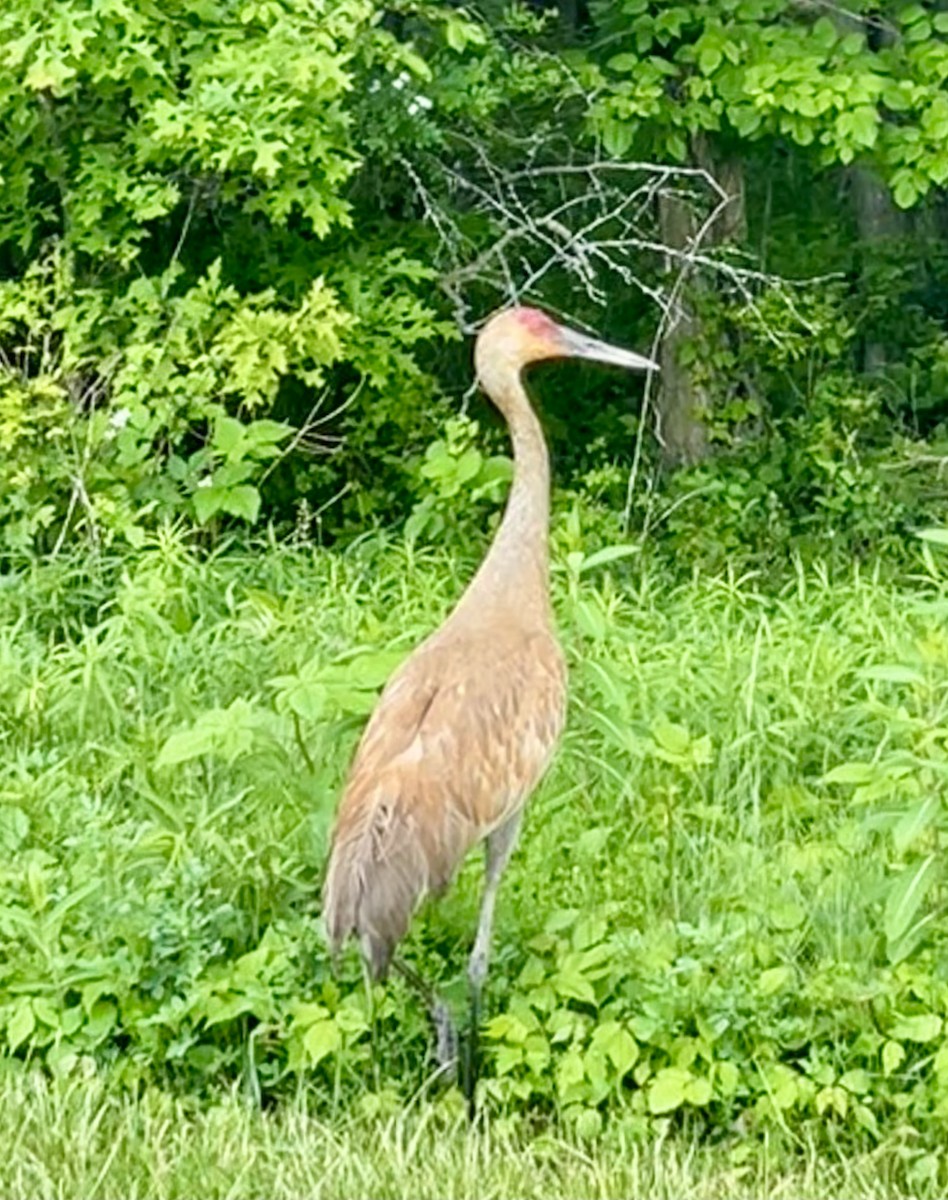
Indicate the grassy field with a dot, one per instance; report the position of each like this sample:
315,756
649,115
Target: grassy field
720,964
80,1141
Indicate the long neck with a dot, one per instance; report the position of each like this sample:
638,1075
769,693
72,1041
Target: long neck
516,571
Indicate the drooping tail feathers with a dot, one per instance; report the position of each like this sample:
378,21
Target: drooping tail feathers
377,874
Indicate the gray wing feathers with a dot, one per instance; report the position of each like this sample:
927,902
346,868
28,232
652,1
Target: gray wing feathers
377,874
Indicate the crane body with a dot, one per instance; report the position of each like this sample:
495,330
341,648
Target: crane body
465,728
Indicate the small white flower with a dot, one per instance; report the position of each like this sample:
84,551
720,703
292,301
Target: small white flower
205,482
399,83
119,419
412,108
424,102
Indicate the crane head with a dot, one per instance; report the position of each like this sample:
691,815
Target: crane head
519,336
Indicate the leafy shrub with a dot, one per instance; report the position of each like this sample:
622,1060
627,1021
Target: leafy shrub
699,927
809,457
454,479
182,249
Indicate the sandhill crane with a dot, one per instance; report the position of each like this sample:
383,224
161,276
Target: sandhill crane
465,728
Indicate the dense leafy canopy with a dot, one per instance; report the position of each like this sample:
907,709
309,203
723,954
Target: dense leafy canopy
222,227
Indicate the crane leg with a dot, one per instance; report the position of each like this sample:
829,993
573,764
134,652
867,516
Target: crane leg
500,846
446,1036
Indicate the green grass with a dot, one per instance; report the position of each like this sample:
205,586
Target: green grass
81,1141
715,969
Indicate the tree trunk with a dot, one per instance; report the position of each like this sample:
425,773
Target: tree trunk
878,222
683,402
877,218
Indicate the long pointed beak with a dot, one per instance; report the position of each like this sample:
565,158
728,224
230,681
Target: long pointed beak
580,345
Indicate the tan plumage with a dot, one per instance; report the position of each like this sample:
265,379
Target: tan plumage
464,730
458,741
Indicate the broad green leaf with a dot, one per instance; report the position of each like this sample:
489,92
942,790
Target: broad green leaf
47,1012
774,980
786,915
916,822
622,1050
667,1091
624,64
907,892
835,1098
851,772
208,502
307,699
228,733
905,193
461,33
865,125
228,435
505,1027
561,918
321,1039
507,1058
591,843
362,673
709,59
185,745
938,537
219,1009
699,1091
924,1027
569,1072
671,737
306,1013
572,985
242,501
857,1081
893,1055
21,1024
14,827
100,1021
617,137
904,945
726,1077
266,433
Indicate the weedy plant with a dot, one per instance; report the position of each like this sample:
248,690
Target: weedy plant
722,919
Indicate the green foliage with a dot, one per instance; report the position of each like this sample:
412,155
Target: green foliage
754,69
182,269
454,471
221,227
222,91
810,457
699,927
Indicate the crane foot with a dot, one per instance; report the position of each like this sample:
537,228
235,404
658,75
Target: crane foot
446,1038
446,1035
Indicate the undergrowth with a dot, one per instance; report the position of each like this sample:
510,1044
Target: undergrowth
722,920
